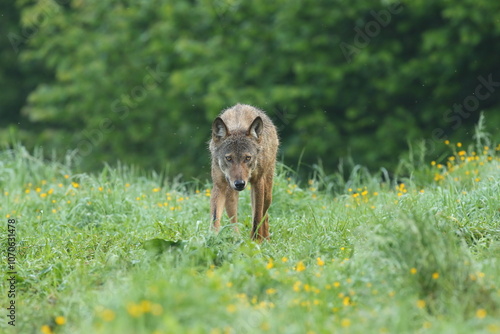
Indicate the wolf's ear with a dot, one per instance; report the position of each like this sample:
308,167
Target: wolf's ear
256,128
219,129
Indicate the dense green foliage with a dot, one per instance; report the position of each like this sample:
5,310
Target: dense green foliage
124,252
141,81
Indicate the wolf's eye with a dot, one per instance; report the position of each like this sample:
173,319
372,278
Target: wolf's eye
248,158
228,158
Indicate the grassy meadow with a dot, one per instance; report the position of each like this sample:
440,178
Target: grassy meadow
125,251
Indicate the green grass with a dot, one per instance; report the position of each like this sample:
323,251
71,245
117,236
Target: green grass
127,252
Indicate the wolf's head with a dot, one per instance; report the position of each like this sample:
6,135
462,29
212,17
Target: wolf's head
236,152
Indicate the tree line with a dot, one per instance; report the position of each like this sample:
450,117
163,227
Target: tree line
141,81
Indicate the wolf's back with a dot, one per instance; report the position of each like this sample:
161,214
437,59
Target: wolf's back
241,116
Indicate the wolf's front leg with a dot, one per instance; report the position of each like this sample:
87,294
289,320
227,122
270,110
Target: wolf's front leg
232,206
217,201
258,210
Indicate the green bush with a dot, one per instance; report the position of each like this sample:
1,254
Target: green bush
142,81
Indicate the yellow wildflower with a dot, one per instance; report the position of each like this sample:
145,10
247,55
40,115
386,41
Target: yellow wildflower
345,323
145,306
156,309
300,266
134,310
481,313
107,315
46,329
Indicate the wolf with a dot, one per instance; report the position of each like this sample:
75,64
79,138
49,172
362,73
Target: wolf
243,151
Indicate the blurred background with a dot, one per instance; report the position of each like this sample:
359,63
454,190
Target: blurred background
141,81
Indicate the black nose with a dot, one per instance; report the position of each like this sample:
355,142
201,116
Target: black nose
239,184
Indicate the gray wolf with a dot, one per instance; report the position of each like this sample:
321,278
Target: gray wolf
243,150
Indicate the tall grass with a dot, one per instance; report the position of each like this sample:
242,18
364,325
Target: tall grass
124,251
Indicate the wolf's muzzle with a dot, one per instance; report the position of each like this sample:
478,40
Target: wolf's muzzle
239,185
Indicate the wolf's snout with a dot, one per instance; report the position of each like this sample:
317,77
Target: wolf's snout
239,185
